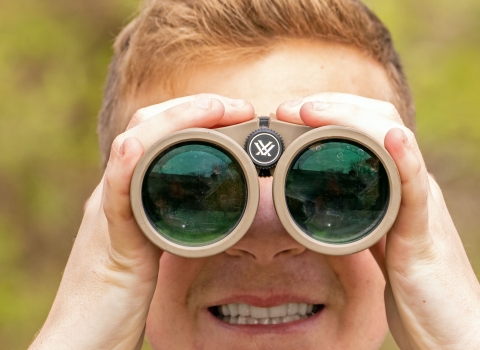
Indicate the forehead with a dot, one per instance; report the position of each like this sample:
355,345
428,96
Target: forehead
292,69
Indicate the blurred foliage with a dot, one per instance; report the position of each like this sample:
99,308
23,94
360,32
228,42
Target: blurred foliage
53,60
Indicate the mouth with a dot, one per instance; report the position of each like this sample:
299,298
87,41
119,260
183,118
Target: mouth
245,314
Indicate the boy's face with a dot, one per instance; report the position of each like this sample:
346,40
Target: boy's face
267,267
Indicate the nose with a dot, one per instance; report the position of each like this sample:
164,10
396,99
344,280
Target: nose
266,240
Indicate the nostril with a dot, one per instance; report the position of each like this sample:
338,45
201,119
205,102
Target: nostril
290,252
240,253
264,254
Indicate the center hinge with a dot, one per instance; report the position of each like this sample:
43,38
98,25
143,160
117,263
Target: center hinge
264,147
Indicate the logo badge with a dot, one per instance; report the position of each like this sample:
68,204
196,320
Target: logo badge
264,148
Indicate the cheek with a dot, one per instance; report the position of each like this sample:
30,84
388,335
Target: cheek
358,273
363,303
169,313
177,274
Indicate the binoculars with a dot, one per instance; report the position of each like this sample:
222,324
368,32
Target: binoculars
195,193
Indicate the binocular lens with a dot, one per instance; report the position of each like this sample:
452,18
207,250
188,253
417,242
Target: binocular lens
337,191
194,193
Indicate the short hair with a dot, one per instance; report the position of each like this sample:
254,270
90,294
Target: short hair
168,35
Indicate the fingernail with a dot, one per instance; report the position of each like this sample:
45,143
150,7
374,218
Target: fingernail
203,103
293,103
320,105
237,103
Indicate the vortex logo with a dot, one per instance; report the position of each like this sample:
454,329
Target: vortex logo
264,148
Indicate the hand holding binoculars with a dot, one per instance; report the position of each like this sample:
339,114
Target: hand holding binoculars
195,192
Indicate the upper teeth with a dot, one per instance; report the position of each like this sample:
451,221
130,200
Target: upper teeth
290,309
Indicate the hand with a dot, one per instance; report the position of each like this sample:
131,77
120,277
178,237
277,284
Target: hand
432,295
111,274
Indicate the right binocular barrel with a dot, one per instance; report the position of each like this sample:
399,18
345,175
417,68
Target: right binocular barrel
336,190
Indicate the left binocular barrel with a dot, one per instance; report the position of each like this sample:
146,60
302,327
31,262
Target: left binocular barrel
195,193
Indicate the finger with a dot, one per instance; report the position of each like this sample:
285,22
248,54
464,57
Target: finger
318,114
236,110
398,140
290,110
411,225
412,173
378,253
125,234
202,113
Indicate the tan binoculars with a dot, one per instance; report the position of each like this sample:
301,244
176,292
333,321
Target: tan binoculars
195,193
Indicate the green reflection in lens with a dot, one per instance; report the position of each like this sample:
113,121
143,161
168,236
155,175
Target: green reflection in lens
194,194
337,191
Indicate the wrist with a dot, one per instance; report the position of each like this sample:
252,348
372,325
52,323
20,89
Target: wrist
114,317
102,305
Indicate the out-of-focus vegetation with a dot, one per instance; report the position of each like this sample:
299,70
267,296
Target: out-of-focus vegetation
53,60
53,57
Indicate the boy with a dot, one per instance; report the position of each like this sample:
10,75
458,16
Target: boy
184,64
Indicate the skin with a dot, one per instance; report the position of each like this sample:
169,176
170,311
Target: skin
114,278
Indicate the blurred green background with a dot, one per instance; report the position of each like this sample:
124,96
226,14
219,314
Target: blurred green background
53,60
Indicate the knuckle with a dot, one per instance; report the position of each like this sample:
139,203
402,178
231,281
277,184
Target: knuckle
107,210
108,205
140,114
109,181
351,110
390,107
176,111
392,112
116,144
114,149
138,117
410,137
418,172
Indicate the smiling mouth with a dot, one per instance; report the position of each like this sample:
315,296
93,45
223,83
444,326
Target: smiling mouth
244,314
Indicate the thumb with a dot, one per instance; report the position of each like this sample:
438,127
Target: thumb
410,230
125,235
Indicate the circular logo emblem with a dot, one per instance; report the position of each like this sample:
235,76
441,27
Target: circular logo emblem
264,147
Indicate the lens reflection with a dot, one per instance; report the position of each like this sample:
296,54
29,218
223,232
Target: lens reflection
194,194
337,191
